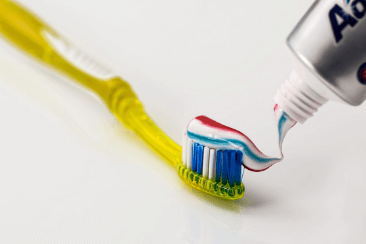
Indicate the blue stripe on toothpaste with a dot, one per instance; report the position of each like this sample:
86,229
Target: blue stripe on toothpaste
281,123
229,142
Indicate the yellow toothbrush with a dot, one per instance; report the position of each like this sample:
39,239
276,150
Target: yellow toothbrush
37,39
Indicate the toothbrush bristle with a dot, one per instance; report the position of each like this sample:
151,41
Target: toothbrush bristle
228,163
214,170
212,164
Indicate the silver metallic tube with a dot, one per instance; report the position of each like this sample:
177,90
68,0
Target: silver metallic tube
328,47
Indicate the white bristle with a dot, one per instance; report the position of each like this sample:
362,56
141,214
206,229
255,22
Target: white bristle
212,164
184,149
189,154
206,156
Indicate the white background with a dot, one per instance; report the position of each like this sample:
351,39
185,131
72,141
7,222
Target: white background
70,173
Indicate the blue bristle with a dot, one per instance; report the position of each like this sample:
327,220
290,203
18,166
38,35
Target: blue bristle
228,164
218,165
232,168
225,166
238,162
194,163
199,159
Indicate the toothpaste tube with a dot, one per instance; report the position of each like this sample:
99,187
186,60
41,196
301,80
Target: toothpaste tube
328,48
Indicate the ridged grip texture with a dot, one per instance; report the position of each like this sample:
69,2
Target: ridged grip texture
124,103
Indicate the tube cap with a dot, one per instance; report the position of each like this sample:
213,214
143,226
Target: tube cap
297,99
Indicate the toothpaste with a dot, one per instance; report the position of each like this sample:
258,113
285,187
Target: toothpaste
210,133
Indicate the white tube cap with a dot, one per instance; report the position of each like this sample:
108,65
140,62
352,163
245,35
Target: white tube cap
297,99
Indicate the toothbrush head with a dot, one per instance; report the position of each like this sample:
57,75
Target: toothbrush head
212,161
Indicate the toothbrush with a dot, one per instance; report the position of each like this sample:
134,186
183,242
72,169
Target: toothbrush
212,155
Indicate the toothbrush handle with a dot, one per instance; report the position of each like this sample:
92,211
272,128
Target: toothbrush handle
37,39
22,28
29,33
